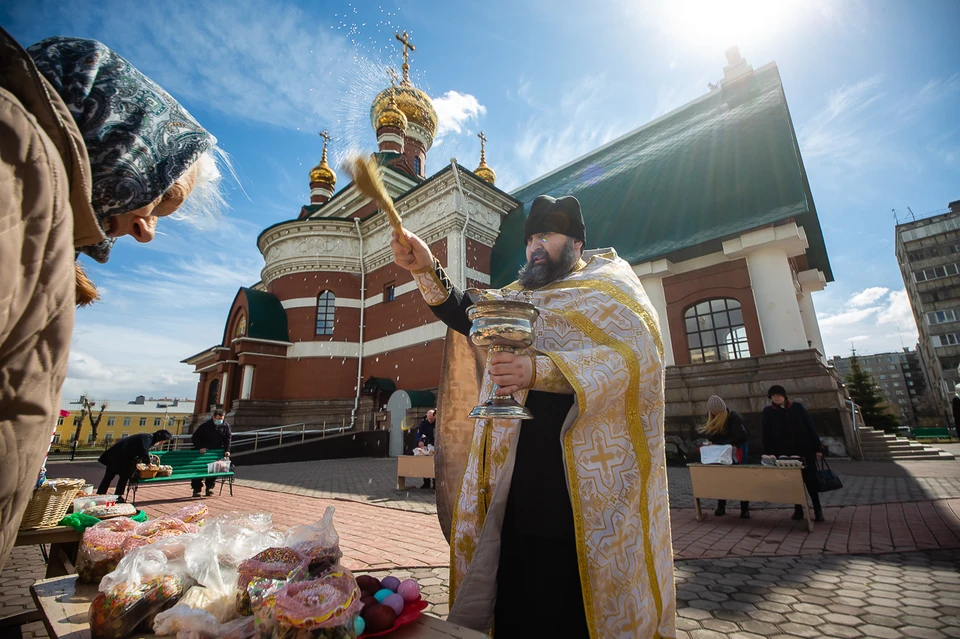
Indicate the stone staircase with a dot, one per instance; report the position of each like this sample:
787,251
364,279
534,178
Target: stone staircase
878,445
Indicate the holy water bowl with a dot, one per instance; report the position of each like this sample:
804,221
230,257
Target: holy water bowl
502,325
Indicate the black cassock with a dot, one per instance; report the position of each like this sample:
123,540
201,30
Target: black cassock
538,580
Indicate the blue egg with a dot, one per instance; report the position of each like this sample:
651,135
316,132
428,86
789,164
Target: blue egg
359,625
382,594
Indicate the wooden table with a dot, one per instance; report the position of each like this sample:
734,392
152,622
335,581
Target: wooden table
65,606
64,545
749,482
414,466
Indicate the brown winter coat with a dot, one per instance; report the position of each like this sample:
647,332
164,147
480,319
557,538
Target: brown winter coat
44,212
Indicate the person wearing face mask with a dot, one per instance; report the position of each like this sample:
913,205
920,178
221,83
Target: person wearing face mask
213,433
90,150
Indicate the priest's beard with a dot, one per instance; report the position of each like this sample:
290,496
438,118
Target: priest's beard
537,275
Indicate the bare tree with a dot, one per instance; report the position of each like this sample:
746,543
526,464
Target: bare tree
88,406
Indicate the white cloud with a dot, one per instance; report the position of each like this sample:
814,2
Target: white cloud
874,320
868,296
560,133
455,110
167,306
858,125
251,59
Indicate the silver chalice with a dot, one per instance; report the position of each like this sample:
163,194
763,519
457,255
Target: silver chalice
502,325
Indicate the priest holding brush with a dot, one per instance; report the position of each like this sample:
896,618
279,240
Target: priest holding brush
560,524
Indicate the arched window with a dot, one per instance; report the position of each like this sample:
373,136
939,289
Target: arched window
241,326
213,393
418,166
325,309
715,331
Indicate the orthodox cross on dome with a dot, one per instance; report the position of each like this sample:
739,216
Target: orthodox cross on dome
407,46
483,142
326,138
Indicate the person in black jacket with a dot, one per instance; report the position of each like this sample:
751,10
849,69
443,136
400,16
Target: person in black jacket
211,434
788,430
121,459
724,426
425,434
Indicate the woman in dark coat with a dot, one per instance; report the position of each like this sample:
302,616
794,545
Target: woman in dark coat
724,426
788,430
121,459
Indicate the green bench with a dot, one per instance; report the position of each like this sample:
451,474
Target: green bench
932,433
187,465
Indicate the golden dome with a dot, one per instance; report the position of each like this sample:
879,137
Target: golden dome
322,173
391,116
415,105
483,171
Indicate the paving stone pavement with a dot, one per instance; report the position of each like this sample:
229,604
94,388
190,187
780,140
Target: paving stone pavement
765,577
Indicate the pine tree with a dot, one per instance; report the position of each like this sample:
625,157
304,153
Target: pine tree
864,393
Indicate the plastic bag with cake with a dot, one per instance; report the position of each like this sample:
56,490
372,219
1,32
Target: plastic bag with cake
319,542
278,564
101,548
192,513
144,584
323,608
155,530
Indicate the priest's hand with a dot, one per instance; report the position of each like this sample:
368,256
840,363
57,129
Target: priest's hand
511,372
414,257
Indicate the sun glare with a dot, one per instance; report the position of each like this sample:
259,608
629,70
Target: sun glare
711,24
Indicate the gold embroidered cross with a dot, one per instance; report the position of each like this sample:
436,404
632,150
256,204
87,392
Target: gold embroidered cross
603,457
607,313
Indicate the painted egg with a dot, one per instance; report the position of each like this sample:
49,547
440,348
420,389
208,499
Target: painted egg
409,589
359,625
383,594
380,618
395,601
390,582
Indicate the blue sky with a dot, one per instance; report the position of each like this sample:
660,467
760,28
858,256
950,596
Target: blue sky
873,89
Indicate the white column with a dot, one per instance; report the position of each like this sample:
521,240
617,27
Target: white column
454,258
653,286
776,299
246,382
811,327
224,383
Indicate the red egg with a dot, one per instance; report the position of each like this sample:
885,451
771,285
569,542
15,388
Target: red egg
379,618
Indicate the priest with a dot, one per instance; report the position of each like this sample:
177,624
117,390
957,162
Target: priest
560,525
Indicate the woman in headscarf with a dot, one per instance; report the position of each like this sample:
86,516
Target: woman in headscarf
724,426
90,150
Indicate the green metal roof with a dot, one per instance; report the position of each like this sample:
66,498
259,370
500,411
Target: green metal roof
421,398
718,167
266,318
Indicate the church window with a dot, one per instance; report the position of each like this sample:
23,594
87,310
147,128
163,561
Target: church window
418,166
325,309
715,331
389,292
213,393
241,326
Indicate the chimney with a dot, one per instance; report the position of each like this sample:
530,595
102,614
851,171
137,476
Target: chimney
737,66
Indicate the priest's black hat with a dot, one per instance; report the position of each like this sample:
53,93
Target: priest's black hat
555,215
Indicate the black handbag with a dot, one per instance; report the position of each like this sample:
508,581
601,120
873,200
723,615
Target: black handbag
827,480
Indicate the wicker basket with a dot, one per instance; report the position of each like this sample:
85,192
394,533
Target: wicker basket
50,503
147,473
165,471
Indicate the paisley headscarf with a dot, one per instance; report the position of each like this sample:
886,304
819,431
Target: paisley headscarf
139,139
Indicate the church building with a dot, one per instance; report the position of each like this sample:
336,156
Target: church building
710,204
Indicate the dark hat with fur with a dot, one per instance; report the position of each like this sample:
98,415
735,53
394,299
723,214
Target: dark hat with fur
555,215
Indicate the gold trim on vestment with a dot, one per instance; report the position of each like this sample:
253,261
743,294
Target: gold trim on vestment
574,487
639,439
621,297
